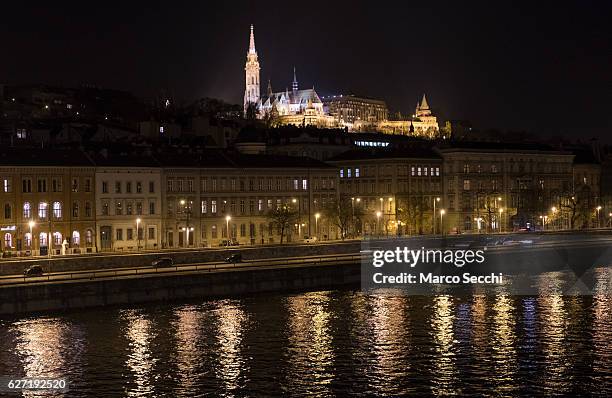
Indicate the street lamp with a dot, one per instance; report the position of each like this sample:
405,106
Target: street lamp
317,215
138,233
227,220
378,214
442,221
31,225
501,210
437,199
554,213
610,219
598,208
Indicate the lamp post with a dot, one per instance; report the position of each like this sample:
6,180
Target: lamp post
433,226
598,208
227,220
442,221
554,213
299,203
501,210
378,214
609,219
317,215
31,225
138,233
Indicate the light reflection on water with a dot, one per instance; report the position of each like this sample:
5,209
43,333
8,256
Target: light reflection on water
324,344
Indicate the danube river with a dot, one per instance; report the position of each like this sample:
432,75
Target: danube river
324,343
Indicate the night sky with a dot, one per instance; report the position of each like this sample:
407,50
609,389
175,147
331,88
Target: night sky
535,67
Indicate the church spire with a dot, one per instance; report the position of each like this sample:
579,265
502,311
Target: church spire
252,42
294,86
269,88
424,104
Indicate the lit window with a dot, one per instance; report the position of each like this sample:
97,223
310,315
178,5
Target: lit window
356,172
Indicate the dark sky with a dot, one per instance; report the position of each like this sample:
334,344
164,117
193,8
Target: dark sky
532,66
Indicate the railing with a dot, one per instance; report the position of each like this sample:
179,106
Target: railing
181,268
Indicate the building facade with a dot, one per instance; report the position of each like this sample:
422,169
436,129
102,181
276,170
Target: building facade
347,109
128,203
48,203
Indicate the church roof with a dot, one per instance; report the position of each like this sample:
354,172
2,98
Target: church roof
295,97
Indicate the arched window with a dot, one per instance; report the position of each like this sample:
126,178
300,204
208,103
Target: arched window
42,238
7,211
57,210
76,238
8,240
57,238
28,240
75,209
43,208
88,237
27,210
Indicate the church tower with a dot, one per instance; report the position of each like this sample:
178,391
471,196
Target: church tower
251,68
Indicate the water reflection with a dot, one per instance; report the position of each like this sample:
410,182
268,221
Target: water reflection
187,352
444,374
553,318
310,351
503,344
140,331
231,321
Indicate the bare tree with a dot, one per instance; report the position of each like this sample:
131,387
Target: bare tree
339,213
283,217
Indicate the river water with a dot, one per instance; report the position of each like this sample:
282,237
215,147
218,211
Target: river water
322,343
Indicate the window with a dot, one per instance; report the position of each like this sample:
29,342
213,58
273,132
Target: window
295,184
356,172
139,208
169,186
57,238
242,230
251,206
128,187
466,168
87,185
118,208
75,185
180,185
241,206
27,210
104,186
42,210
151,186
8,240
105,207
128,208
260,205
341,173
213,206
76,238
75,209
57,210
419,171
26,185
213,232
437,171
466,185
151,207
7,211
304,184
412,171
6,185
42,239
204,206
42,185
28,240
87,209
348,172
119,234
493,168
151,234
88,237
56,184
425,171
130,234
138,187
118,187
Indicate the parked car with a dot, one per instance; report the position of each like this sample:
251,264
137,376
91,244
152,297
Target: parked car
163,262
33,270
309,239
230,242
234,258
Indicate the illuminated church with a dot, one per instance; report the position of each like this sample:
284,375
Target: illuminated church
305,107
295,106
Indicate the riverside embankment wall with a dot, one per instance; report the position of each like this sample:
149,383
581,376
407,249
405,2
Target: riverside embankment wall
67,263
161,288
